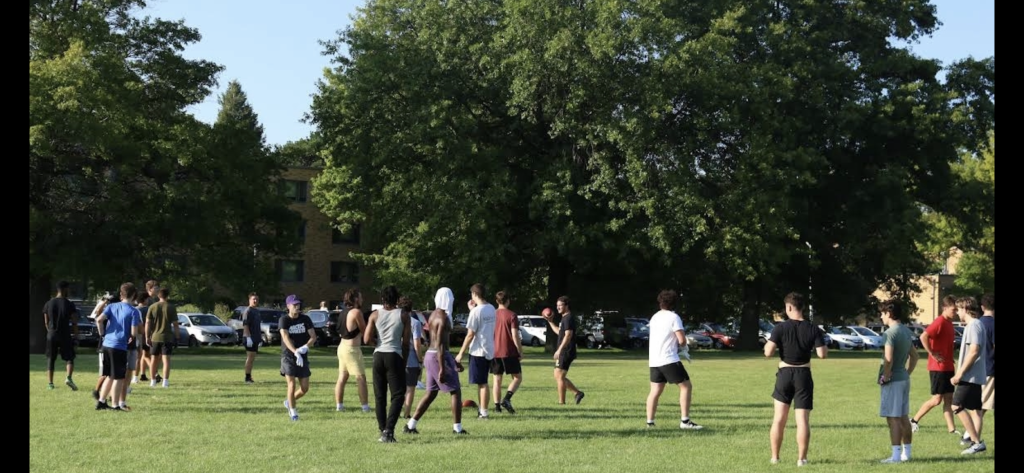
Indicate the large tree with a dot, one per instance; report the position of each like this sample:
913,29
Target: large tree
123,183
608,149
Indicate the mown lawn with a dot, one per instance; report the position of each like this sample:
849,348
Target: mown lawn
209,420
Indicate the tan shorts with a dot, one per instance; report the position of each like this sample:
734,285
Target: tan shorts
988,394
350,359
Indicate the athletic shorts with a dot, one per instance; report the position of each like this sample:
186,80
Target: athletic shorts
133,359
895,399
412,376
941,382
564,362
509,365
967,396
450,383
115,363
794,386
988,394
290,368
60,345
350,359
673,373
478,366
162,348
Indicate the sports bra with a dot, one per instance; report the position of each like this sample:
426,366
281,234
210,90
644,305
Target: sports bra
349,334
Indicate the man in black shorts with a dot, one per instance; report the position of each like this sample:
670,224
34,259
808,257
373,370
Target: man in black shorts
796,339
252,331
565,351
667,337
61,319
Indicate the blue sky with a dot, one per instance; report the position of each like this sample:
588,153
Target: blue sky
271,47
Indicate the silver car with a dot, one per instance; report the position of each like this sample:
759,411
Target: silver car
206,329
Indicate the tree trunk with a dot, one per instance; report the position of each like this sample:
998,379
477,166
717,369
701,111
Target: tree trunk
749,323
558,285
38,294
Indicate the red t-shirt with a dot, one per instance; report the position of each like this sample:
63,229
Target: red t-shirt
506,323
940,340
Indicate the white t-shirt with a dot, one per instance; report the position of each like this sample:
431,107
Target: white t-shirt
481,321
664,348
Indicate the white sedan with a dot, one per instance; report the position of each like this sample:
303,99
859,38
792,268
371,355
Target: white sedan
872,340
844,338
533,329
206,329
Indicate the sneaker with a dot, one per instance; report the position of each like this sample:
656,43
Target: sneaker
152,383
95,394
689,425
248,381
366,409
420,385
295,417
387,437
480,415
890,460
650,425
914,426
71,384
286,405
460,432
801,462
956,432
965,440
974,448
123,408
49,386
579,397
165,383
158,378
507,404
407,430
101,406
775,461
143,378
497,407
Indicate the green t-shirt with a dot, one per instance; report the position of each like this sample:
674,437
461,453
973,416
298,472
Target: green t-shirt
902,342
161,318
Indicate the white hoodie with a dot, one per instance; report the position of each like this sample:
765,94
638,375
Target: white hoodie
445,300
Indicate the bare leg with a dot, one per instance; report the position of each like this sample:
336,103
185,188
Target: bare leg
947,411
906,433
457,406
778,427
652,400
290,394
425,404
517,379
410,396
250,356
928,405
685,396
978,417
496,389
166,360
482,391
967,420
803,432
364,397
339,387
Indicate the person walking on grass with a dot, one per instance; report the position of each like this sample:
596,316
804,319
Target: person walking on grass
796,339
60,316
391,324
480,344
414,362
937,341
297,336
565,348
350,351
667,337
508,353
970,374
162,335
442,373
252,330
116,324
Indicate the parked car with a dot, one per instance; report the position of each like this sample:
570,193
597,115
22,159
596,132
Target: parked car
319,318
628,333
591,331
958,338
87,334
843,338
268,324
872,340
332,333
206,329
764,330
721,338
458,335
696,339
533,330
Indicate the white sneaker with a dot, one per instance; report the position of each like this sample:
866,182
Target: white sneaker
366,409
420,385
152,383
801,462
689,425
914,426
166,384
775,461
890,460
975,448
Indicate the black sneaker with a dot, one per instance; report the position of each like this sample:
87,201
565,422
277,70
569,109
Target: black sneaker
579,397
387,437
407,430
158,378
507,404
123,408
497,407
249,381
650,425
460,432
143,378
95,394
101,406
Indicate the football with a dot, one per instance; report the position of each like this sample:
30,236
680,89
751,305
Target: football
546,312
469,403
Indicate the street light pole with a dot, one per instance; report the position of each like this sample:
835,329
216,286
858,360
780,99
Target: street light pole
810,292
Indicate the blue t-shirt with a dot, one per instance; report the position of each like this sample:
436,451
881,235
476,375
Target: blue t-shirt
417,333
121,317
989,322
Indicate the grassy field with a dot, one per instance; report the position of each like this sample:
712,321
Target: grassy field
209,420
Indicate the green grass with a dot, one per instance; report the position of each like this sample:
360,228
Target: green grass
210,421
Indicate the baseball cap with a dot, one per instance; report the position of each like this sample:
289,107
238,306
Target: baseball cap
293,299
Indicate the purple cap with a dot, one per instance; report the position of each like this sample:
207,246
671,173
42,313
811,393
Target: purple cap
293,299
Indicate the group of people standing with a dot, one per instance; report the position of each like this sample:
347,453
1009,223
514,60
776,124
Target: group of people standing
965,389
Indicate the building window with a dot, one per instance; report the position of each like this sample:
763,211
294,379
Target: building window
344,271
290,270
296,190
350,238
302,231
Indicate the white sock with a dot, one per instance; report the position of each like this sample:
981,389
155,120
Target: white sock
412,423
896,451
121,404
135,379
152,382
650,421
906,452
684,420
483,412
457,427
166,382
366,407
293,412
341,406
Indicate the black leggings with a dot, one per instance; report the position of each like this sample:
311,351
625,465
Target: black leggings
388,374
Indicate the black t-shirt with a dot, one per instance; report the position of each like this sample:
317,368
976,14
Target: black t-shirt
298,330
60,311
251,318
797,340
568,323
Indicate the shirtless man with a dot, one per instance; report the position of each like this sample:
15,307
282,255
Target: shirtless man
442,373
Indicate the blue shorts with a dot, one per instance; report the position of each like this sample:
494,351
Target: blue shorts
478,367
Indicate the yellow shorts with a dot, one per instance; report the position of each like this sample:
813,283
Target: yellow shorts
350,359
988,394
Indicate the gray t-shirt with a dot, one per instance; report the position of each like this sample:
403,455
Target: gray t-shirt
974,334
899,337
